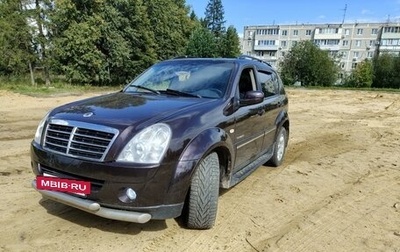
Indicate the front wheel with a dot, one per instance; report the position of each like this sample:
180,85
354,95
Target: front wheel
279,148
203,194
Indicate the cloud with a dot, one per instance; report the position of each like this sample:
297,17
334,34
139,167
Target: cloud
366,12
323,16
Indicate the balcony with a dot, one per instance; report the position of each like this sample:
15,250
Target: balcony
327,36
330,47
266,48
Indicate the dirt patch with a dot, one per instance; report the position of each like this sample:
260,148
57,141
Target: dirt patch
338,189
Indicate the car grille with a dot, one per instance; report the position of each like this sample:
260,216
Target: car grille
81,140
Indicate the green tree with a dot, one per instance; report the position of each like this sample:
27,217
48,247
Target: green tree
102,42
214,18
202,44
309,65
42,30
230,44
386,71
17,55
362,76
171,25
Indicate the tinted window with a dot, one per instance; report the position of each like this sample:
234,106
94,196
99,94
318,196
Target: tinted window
269,83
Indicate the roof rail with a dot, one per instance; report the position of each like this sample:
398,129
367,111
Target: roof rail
243,56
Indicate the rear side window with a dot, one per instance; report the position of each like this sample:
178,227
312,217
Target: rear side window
269,83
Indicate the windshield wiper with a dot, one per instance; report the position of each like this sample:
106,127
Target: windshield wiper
146,88
180,93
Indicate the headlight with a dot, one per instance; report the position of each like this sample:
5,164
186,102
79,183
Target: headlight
39,130
148,146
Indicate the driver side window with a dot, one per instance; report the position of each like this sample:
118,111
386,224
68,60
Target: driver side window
246,82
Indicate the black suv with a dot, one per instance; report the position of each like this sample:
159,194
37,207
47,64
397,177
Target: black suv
166,143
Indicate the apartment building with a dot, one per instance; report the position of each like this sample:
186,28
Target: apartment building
349,43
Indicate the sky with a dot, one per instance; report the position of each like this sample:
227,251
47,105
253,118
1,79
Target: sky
240,13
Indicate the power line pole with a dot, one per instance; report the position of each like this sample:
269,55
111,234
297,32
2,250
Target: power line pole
344,13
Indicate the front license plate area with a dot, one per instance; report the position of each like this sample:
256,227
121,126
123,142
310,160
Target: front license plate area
63,185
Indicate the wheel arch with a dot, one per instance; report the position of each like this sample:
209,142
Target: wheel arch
208,141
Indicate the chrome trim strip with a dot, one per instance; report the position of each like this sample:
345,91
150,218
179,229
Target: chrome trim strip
252,140
75,126
94,207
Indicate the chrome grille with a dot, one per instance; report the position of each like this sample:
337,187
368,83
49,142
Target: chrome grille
77,139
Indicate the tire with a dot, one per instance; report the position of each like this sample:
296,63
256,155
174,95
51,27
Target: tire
279,148
203,194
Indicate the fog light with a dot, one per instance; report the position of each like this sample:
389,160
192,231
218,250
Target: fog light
130,193
127,195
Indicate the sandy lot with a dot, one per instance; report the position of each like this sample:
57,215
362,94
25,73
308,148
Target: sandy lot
338,189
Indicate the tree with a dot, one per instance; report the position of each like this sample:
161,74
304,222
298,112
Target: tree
42,40
202,44
309,65
102,42
386,71
171,26
17,54
230,44
214,18
362,76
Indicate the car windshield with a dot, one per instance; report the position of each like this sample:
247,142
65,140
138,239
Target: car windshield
191,78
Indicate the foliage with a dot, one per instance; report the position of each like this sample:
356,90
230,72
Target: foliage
102,42
361,76
230,44
202,44
309,65
386,71
214,18
16,51
171,25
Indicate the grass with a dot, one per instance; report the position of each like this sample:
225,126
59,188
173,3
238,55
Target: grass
55,89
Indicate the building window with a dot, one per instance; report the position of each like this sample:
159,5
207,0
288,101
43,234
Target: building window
295,32
283,54
392,42
326,42
284,32
374,31
268,32
347,32
370,54
358,43
345,42
266,42
392,30
294,43
328,30
371,42
344,54
283,43
356,55
308,32
359,31
342,65
354,65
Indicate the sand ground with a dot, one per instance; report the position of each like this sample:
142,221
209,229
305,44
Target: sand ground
338,189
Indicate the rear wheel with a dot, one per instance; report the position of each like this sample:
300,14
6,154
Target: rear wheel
203,194
279,148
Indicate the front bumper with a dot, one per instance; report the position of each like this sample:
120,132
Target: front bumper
161,191
94,207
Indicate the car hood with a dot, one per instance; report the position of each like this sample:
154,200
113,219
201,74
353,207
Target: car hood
126,109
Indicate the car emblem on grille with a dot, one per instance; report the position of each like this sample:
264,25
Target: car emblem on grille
88,114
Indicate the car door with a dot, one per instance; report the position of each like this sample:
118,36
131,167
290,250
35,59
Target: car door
249,122
273,100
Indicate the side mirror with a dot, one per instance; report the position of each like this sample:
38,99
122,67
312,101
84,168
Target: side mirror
252,97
